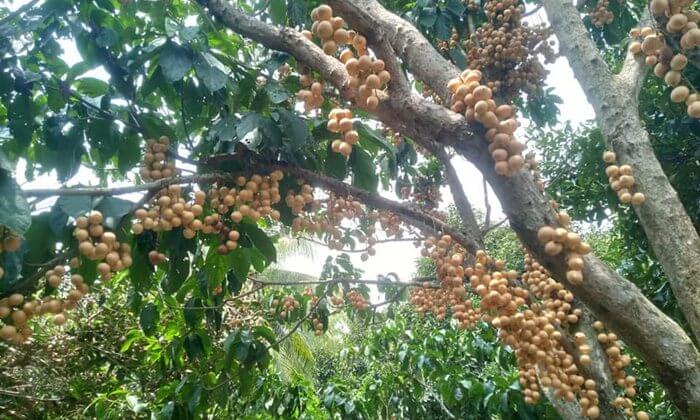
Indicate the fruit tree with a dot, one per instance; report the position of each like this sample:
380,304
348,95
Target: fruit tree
185,139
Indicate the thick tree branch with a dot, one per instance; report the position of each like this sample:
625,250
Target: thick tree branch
282,39
668,227
423,61
634,70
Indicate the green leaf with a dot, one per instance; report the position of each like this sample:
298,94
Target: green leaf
248,123
261,241
225,129
243,346
266,333
193,312
427,16
335,164
166,413
240,260
234,284
175,62
77,205
294,128
211,71
20,115
14,209
373,138
92,87
455,6
229,350
114,209
278,11
107,37
55,98
148,319
128,153
443,26
458,57
276,92
363,170
194,346
179,260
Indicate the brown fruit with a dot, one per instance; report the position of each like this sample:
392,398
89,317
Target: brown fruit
678,62
324,12
609,156
59,319
658,7
679,94
694,109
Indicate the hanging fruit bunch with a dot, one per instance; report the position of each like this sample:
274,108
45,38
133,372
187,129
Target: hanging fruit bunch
621,180
367,73
476,101
666,48
506,50
97,244
600,15
157,163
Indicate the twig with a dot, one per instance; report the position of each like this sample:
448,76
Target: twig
27,397
148,186
417,282
494,226
380,241
487,218
296,326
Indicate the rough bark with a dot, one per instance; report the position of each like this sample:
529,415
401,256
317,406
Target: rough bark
658,340
667,225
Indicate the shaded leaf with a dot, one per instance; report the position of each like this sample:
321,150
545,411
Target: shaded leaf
175,62
148,319
14,209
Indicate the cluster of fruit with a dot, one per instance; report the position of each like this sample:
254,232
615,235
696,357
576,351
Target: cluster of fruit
682,27
474,99
16,313
97,244
621,180
251,198
156,162
340,121
286,306
312,96
508,51
357,301
601,16
560,239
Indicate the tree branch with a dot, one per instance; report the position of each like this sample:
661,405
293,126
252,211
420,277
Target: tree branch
415,282
296,326
634,70
423,61
282,39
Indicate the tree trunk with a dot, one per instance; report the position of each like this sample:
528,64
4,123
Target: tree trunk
614,98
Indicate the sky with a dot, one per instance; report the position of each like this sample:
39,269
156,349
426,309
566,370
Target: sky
398,257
